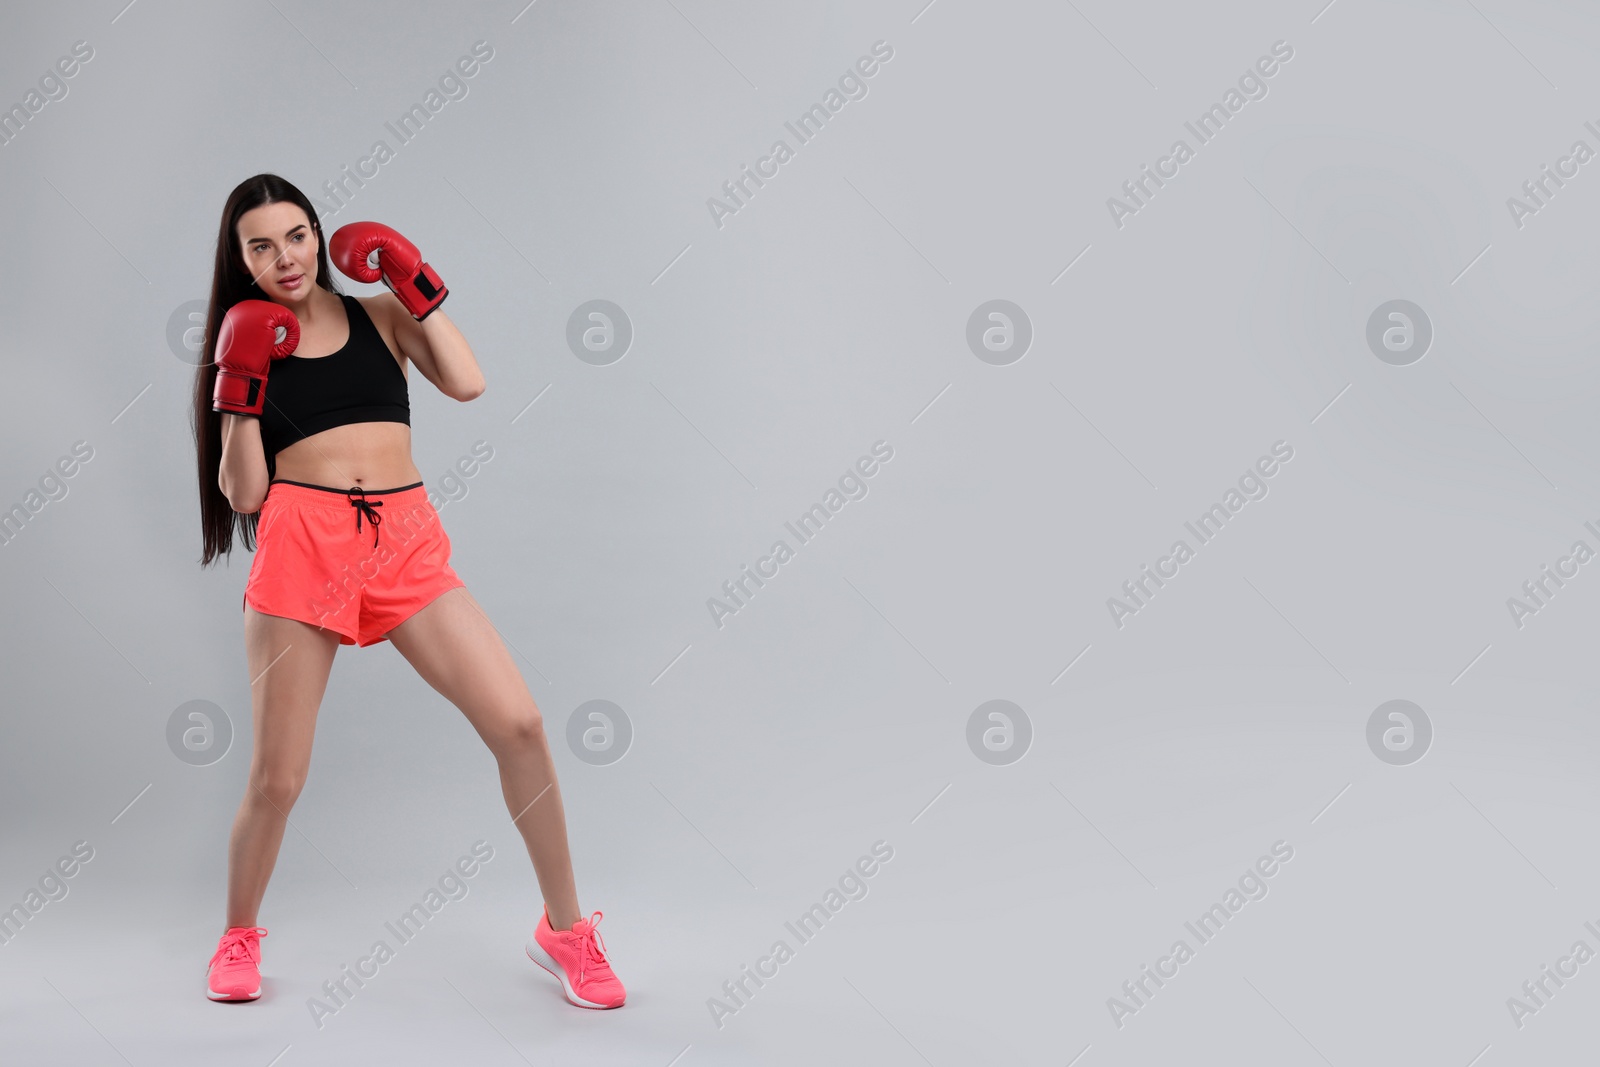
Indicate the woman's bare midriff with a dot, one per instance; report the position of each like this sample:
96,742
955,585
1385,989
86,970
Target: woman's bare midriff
372,455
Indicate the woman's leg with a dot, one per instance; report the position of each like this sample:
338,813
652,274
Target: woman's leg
456,650
289,666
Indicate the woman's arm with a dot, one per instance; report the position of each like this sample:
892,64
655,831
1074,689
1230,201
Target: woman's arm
437,349
243,474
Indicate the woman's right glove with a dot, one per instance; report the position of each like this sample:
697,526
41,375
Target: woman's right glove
246,346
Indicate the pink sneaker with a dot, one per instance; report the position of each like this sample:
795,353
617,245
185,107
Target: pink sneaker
577,957
236,966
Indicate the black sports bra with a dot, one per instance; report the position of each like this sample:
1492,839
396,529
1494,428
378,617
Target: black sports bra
362,382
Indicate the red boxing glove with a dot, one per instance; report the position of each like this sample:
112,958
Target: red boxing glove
399,265
246,347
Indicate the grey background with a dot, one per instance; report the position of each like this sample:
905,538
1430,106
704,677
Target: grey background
832,711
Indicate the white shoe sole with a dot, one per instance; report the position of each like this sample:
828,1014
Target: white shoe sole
538,955
228,996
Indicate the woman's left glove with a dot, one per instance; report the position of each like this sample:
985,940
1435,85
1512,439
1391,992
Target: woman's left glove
399,265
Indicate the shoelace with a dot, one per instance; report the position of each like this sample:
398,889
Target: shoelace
233,945
592,947
365,507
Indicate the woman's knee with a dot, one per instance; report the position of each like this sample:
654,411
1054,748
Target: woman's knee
517,732
279,787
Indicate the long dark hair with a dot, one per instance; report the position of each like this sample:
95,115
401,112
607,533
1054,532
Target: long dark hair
231,283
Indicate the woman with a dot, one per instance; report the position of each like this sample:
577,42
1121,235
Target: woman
302,424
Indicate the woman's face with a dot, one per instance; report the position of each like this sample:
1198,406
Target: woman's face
280,251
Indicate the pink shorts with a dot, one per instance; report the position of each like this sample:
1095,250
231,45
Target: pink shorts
357,562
